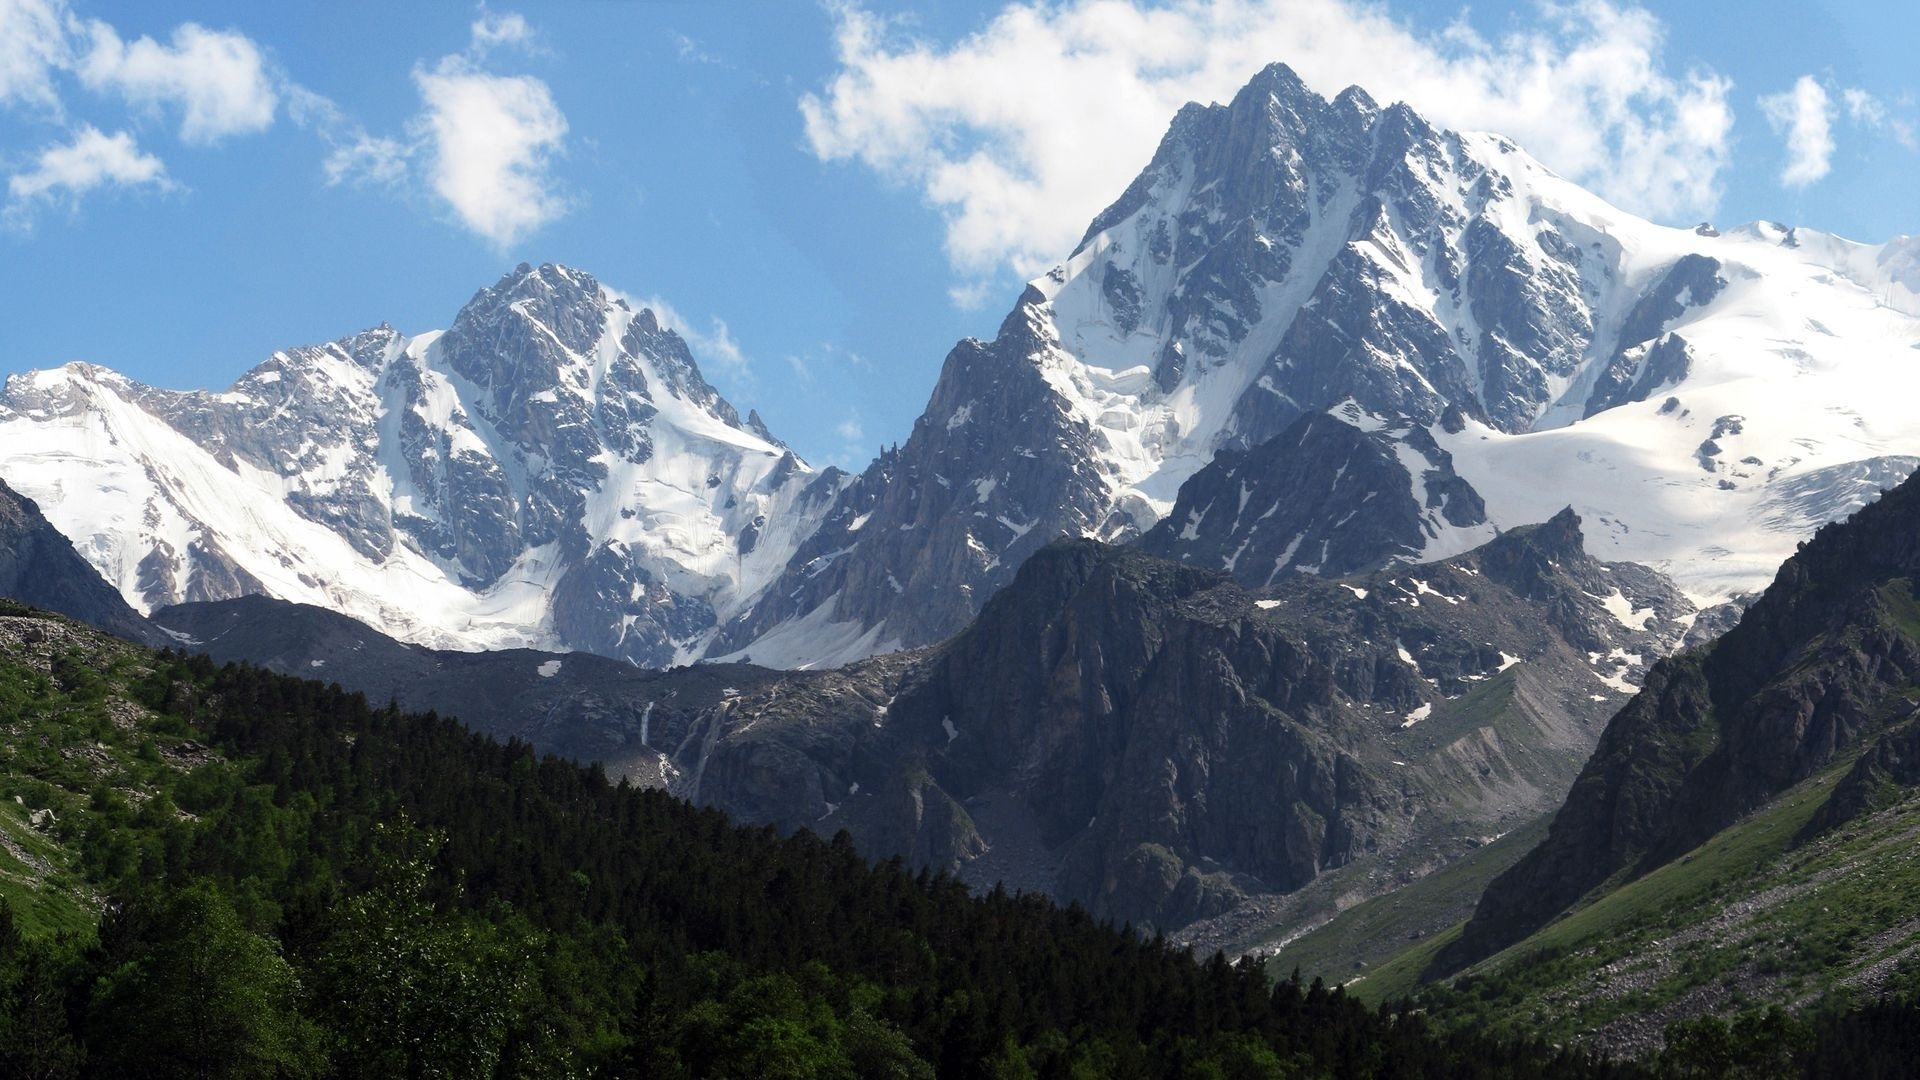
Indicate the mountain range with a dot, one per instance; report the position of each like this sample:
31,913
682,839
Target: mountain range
553,471
1338,514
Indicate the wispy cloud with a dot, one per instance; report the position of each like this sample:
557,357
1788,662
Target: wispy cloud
90,161
1804,116
1863,107
713,346
691,51
491,31
1021,132
852,450
33,46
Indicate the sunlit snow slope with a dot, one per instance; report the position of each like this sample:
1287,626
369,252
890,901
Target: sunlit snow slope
1703,400
550,471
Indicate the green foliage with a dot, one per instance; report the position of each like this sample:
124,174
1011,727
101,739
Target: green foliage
305,885
197,995
411,990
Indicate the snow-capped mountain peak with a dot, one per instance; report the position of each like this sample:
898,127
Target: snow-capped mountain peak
1284,254
551,470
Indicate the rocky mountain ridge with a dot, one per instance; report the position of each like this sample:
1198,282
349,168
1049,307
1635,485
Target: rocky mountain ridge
1285,255
1148,738
1824,663
552,470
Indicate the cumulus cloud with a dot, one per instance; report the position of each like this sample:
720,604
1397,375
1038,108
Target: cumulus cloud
1021,132
91,160
33,45
484,143
490,143
1804,116
217,79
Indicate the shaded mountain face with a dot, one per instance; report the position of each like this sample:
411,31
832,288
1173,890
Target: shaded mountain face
585,707
1284,255
1156,742
552,470
1334,494
38,566
1146,737
1825,662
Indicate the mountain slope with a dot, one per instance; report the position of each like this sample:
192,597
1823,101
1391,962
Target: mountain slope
550,471
580,706
1825,659
1703,399
1157,743
1147,738
38,566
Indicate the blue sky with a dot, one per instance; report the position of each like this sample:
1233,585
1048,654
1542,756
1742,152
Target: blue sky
827,196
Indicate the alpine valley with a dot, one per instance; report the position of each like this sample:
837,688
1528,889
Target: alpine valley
1365,547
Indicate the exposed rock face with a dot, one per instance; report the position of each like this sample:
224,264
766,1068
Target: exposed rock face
1145,737
1325,496
1154,741
38,566
1822,661
1284,256
585,707
552,470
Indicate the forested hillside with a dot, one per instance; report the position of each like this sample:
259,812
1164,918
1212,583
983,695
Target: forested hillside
293,881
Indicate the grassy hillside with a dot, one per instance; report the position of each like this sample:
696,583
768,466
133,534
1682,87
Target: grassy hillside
1755,916
1358,939
79,751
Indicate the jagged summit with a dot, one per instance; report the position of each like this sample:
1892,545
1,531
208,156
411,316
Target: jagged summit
551,470
1283,255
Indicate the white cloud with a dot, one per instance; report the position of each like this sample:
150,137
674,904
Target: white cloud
67,171
33,44
490,141
1804,114
714,348
490,31
218,79
849,429
1863,108
368,159
1021,132
690,50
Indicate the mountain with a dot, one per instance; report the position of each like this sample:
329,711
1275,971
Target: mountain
1158,743
39,566
550,471
578,705
1703,399
553,472
1278,508
1824,663
1144,737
